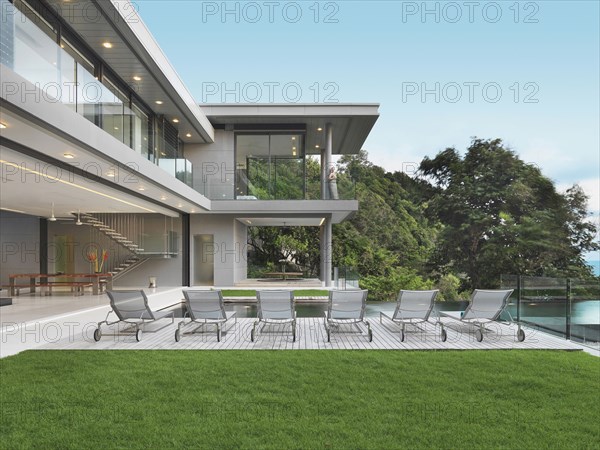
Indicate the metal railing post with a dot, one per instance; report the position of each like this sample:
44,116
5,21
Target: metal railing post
519,293
568,311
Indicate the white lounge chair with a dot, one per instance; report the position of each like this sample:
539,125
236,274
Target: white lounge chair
485,307
346,307
412,308
275,307
131,307
203,308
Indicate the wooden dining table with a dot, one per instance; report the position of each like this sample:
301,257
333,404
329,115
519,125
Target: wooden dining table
45,280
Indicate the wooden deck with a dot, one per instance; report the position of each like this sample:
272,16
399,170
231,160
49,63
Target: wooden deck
311,335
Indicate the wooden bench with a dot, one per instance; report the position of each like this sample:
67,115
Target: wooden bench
76,286
284,275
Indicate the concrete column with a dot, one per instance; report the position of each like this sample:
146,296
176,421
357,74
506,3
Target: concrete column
322,252
328,155
326,251
324,186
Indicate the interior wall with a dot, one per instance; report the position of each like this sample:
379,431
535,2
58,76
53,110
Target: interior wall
168,271
19,244
241,240
85,238
230,252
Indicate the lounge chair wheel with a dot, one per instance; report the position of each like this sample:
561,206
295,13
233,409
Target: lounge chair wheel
479,335
370,335
444,335
138,335
97,334
520,335
177,335
402,336
252,335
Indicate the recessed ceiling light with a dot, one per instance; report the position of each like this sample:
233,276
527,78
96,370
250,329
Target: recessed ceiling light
163,198
69,155
110,174
136,78
175,120
294,153
180,206
293,138
107,45
193,210
293,148
317,146
188,135
141,188
319,129
116,128
158,102
2,126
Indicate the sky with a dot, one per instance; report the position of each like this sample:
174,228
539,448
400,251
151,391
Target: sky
443,72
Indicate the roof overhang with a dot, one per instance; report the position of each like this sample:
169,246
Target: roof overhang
285,212
351,123
135,53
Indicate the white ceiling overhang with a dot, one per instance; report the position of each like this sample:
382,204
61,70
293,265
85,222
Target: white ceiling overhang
351,123
135,53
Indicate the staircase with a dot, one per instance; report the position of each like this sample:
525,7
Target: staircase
122,265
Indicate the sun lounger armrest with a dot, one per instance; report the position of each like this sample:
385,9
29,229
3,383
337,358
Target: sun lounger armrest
163,314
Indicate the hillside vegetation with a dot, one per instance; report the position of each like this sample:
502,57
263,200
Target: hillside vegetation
460,224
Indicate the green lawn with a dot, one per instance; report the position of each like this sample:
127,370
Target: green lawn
300,399
297,293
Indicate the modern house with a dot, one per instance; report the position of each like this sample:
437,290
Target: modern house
104,151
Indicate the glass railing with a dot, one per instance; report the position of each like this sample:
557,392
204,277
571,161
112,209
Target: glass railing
61,74
344,185
282,188
346,278
178,167
562,306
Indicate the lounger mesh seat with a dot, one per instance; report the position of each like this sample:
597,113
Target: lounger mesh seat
131,307
346,307
203,308
275,307
485,307
412,307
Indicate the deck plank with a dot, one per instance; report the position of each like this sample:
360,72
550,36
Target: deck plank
311,335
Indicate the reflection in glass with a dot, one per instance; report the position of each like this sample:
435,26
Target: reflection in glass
270,167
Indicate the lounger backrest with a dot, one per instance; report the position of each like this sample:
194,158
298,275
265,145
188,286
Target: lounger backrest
487,304
203,305
275,304
347,304
415,304
130,304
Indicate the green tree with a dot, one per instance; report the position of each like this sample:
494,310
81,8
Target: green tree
501,215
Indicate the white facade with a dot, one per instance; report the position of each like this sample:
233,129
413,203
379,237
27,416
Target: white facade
142,149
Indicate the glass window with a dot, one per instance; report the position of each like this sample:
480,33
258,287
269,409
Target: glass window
89,93
35,53
112,106
140,131
270,166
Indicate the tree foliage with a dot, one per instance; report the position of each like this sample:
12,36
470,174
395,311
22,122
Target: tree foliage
501,215
459,225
